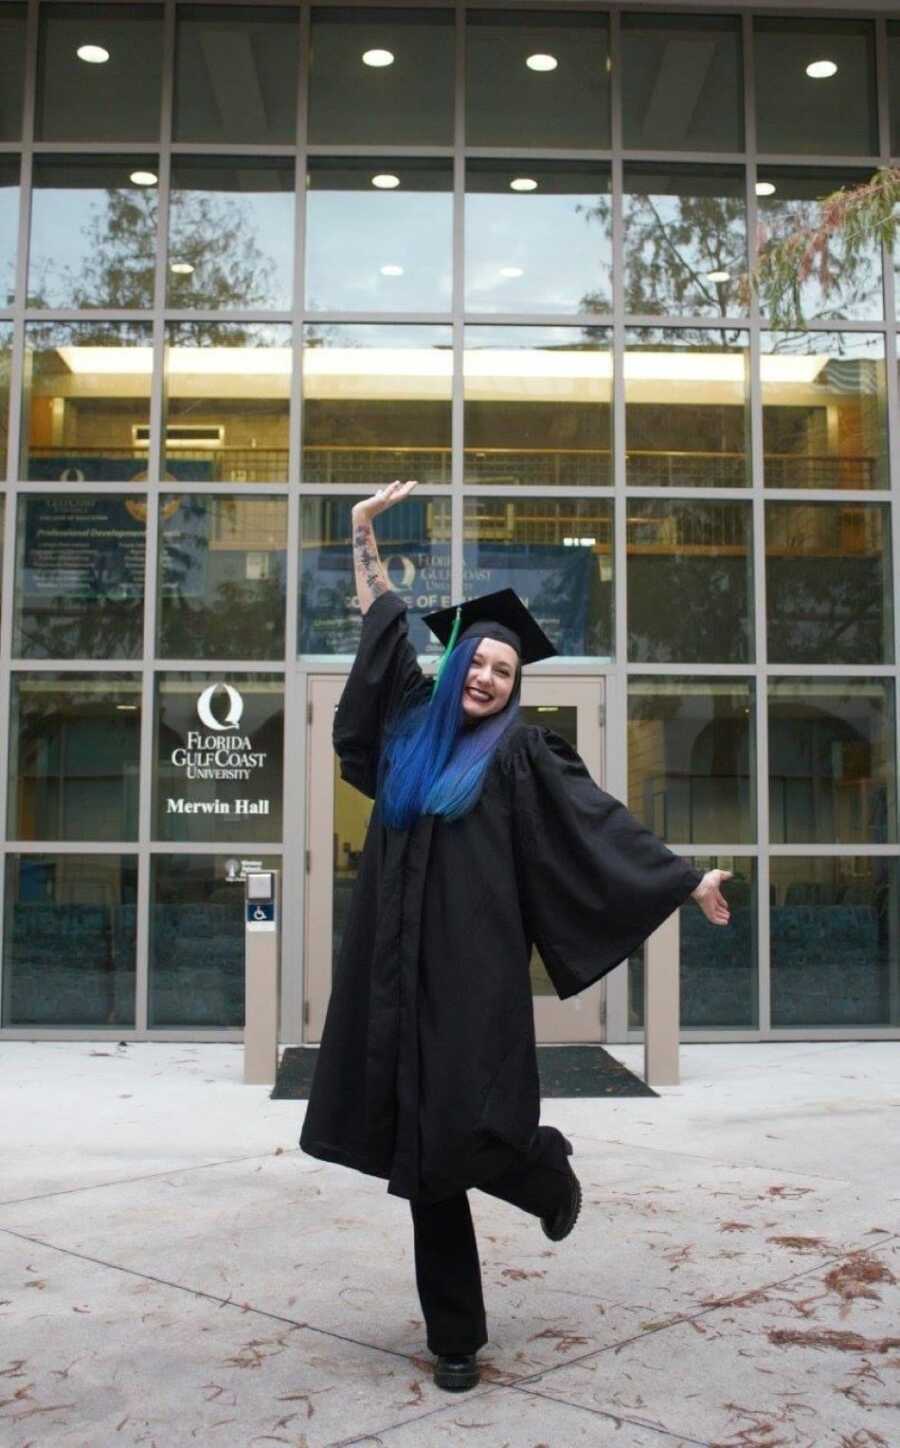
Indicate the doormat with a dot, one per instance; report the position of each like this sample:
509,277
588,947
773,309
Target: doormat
563,1071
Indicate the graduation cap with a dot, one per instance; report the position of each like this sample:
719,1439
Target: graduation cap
502,616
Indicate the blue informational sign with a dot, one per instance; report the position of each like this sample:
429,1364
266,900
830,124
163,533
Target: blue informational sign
260,914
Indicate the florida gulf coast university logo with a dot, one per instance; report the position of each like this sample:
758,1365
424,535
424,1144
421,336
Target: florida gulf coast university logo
218,753
234,711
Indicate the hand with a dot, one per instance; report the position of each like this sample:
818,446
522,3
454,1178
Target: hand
710,898
385,498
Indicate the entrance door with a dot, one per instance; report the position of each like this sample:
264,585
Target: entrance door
338,816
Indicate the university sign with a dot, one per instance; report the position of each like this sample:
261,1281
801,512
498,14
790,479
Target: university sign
218,756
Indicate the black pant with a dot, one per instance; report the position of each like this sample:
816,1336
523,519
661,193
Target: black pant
448,1272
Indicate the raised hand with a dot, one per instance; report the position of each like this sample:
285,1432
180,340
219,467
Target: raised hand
710,898
385,498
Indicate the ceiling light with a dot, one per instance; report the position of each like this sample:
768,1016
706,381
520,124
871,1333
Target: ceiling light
385,182
378,57
93,54
765,188
542,62
821,69
392,271
512,271
144,178
182,268
718,276
523,183
126,706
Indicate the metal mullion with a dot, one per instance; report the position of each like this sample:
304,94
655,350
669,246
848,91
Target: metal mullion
241,316
229,490
845,848
224,150
688,670
538,155
214,847
709,159
538,319
23,665
381,153
71,847
774,160
832,671
687,322
534,490
220,666
350,319
96,314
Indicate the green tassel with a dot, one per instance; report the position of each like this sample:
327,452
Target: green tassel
451,644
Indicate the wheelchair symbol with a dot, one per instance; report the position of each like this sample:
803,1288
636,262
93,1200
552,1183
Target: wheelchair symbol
259,913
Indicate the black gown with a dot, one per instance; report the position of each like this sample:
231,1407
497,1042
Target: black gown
427,1069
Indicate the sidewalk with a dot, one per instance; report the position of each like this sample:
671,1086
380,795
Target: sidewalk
174,1271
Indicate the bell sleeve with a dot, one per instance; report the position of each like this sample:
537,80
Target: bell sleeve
594,882
385,679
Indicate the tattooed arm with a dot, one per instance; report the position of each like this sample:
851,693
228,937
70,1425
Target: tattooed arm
371,579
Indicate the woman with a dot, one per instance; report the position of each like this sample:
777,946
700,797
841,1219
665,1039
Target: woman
487,836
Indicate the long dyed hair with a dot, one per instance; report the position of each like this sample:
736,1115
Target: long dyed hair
434,761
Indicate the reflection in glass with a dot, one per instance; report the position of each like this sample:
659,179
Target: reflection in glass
236,74
685,240
231,233
219,757
691,766
557,555
824,410
221,577
893,47
86,410
405,101
227,400
831,761
828,583
849,287
118,100
414,545
521,219
690,582
379,248
719,981
79,590
682,83
835,944
9,229
376,404
687,407
105,254
6,341
12,70
538,405
74,756
512,103
69,940
563,720
799,114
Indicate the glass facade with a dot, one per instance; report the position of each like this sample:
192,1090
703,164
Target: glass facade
259,260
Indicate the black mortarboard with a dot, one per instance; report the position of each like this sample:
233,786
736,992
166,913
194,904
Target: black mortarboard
502,616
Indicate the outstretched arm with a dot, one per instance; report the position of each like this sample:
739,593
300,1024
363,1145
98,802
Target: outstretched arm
371,579
710,898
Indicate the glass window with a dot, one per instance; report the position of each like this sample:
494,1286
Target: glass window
684,240
414,547
839,286
379,235
6,341
79,589
537,78
687,407
682,87
105,254
9,230
99,73
219,753
831,761
221,577
227,402
69,940
381,77
521,219
828,583
74,756
557,555
824,410
719,981
197,940
691,769
86,411
12,70
894,83
538,405
231,233
690,581
835,941
236,74
376,404
828,110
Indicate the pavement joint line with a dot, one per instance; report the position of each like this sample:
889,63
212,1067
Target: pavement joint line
618,1418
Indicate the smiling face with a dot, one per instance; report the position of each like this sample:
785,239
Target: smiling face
490,680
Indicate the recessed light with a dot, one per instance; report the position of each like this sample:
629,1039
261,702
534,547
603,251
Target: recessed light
821,69
392,271
144,178
93,54
542,62
523,183
385,181
511,271
123,707
378,57
182,268
718,276
765,188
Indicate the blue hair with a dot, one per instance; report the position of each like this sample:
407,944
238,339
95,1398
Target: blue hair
432,762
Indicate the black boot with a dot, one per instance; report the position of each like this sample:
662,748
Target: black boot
456,1372
560,1223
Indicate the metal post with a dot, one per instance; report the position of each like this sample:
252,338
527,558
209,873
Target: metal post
662,1008
262,936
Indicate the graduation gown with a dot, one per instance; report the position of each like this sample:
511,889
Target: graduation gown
427,1068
